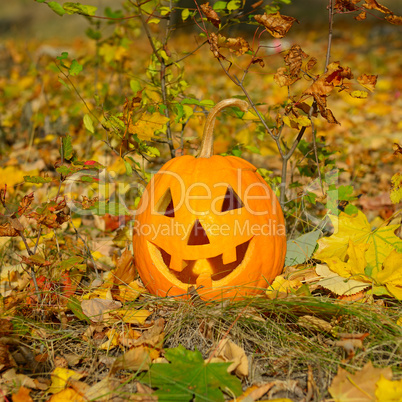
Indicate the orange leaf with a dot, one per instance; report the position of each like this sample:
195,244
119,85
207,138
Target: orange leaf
276,24
368,81
22,395
211,14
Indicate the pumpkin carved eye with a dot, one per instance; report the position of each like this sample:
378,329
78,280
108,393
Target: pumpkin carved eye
231,201
197,237
165,205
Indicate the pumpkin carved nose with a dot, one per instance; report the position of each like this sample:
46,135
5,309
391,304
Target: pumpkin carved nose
197,237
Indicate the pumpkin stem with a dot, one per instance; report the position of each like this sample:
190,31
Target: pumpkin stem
207,144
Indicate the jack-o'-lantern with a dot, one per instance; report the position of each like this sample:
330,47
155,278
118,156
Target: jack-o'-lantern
209,222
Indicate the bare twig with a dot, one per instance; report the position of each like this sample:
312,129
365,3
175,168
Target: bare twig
331,20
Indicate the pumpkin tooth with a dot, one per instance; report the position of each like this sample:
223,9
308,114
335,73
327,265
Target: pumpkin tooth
229,256
202,267
177,264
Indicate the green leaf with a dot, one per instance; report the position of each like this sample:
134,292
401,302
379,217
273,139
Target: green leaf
77,8
63,83
66,170
75,68
189,101
129,169
220,5
301,249
253,149
64,56
88,123
351,209
75,306
152,151
185,13
233,5
93,34
135,86
37,179
67,148
189,378
113,14
71,262
56,7
311,197
206,102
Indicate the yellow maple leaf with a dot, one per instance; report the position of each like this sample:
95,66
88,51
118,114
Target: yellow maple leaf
60,377
14,175
130,316
113,340
338,284
380,242
391,274
149,125
387,390
282,285
355,264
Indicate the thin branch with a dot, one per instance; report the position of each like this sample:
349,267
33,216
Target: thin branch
331,21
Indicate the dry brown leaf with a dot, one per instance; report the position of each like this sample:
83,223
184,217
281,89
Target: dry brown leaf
125,270
283,78
254,392
136,359
397,150
258,60
25,204
276,24
95,309
14,381
394,19
368,81
72,359
344,5
211,14
362,16
60,361
6,327
237,45
314,323
294,59
7,230
6,361
104,390
257,4
230,352
144,394
152,337
287,386
359,386
214,46
374,5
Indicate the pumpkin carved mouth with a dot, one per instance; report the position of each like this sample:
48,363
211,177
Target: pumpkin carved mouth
194,269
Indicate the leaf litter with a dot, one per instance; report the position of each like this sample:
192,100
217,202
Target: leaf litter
302,338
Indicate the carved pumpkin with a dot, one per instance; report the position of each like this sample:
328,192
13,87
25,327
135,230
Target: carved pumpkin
211,223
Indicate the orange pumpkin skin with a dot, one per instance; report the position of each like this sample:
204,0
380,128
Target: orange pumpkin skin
211,223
